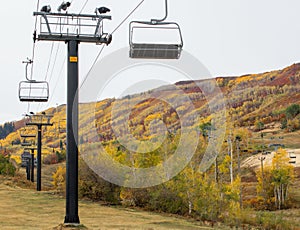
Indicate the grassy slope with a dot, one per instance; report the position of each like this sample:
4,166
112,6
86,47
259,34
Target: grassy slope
28,209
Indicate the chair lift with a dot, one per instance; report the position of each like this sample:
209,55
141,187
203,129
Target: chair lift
26,143
62,125
25,158
27,133
157,49
32,90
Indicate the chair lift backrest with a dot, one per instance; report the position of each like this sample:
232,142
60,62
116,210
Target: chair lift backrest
33,91
27,133
155,50
26,143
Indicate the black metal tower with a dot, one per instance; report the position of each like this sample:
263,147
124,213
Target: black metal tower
39,121
72,29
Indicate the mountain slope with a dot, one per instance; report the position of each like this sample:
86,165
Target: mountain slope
248,98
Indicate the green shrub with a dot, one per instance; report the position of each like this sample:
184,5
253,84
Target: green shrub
6,167
95,188
269,220
163,199
61,156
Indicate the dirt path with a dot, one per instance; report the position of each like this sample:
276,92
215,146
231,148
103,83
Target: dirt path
27,209
253,161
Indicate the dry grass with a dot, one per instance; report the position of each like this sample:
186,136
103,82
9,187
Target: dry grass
28,209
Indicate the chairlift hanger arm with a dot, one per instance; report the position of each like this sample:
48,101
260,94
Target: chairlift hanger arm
28,62
154,21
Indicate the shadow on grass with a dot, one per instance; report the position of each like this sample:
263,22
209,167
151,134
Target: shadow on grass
70,227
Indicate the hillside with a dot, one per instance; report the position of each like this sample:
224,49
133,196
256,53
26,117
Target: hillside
248,98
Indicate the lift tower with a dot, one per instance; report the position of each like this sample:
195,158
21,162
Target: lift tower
72,29
39,121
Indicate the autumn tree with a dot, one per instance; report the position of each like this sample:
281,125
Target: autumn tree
292,111
274,185
282,177
259,125
59,179
6,129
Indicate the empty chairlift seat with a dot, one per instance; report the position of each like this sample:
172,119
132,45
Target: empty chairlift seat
155,40
27,133
25,158
33,91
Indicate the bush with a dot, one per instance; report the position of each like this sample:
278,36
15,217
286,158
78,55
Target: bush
164,200
135,197
268,220
95,188
59,179
50,159
61,156
6,167
259,203
55,158
292,111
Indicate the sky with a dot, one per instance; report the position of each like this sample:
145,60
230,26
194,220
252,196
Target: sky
231,38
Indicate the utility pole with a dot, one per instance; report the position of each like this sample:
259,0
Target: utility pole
262,166
55,27
39,121
238,139
211,136
262,173
216,170
230,149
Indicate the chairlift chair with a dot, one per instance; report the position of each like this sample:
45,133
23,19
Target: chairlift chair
155,49
26,144
27,133
25,158
62,126
32,90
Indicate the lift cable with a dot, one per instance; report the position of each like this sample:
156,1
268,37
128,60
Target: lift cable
56,83
61,69
125,19
49,61
33,49
54,63
52,69
84,5
50,57
99,53
34,42
92,66
101,50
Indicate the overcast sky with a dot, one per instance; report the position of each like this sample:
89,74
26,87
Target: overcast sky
230,37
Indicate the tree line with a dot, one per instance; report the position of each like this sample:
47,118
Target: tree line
6,129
